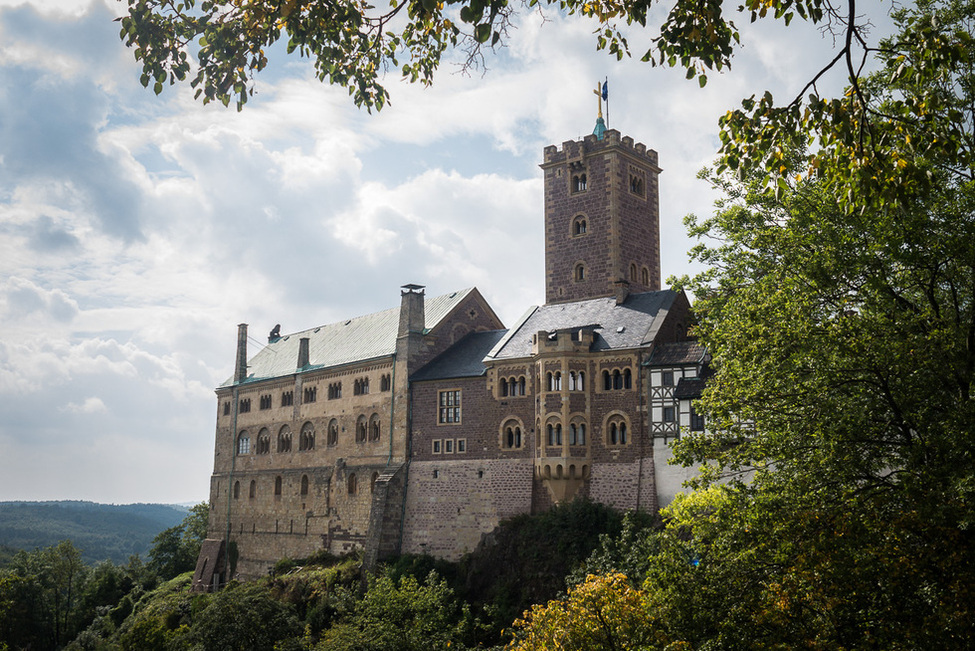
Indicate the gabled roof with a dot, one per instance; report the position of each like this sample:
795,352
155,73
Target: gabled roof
678,353
463,359
633,324
345,342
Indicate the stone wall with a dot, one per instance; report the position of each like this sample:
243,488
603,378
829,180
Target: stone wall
451,504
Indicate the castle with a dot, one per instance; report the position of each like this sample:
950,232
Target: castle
418,428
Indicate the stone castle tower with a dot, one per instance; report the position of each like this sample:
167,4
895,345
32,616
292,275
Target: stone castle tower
601,218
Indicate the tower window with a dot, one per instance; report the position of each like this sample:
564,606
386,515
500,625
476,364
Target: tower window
579,226
645,276
578,183
580,273
632,273
636,185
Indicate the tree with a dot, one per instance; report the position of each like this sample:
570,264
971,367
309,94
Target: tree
176,549
604,613
401,615
844,344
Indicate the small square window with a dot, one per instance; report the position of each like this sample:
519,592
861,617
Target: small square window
669,414
667,379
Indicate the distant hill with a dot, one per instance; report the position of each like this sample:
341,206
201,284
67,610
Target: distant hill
101,531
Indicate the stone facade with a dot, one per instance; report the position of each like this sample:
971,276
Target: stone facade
418,429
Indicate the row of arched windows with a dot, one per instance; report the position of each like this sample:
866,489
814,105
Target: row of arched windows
365,430
616,429
617,379
577,380
644,275
514,386
278,487
360,386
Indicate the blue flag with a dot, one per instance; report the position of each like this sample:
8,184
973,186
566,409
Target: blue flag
606,90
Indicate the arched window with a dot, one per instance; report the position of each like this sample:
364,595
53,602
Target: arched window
557,377
607,381
244,443
504,387
551,435
558,434
333,432
572,380
617,380
277,486
632,273
307,439
616,431
627,379
236,490
579,226
579,183
351,484
581,381
580,273
264,441
582,434
549,382
284,439
360,430
572,434
252,491
374,428
521,386
511,435
304,484
645,276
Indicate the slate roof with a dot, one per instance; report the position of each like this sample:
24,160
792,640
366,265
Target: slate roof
345,342
633,324
463,359
677,354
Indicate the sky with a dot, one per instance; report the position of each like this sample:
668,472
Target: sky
137,231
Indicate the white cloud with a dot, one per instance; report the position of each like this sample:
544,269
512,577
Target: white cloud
91,405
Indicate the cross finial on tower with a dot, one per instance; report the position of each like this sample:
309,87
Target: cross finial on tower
600,92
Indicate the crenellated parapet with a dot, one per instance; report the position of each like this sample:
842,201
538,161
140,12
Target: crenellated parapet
574,150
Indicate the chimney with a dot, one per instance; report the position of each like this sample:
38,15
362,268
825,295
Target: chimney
622,290
303,352
412,319
240,370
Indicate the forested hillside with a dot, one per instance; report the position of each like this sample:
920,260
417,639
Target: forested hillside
100,531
